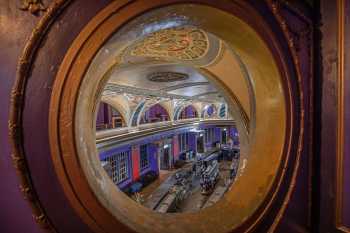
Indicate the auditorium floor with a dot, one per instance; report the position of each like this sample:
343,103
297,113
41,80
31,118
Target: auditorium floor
194,200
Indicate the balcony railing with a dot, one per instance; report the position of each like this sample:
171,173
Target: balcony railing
124,134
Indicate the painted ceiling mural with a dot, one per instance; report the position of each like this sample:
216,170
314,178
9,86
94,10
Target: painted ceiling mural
185,43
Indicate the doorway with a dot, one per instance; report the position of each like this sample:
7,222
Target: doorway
165,158
200,144
224,136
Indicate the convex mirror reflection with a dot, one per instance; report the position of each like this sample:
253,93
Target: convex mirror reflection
164,131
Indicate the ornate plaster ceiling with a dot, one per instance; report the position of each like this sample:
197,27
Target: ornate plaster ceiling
163,81
184,43
167,77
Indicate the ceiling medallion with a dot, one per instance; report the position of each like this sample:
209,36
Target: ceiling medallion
167,77
184,43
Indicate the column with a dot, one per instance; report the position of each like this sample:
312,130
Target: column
176,148
135,158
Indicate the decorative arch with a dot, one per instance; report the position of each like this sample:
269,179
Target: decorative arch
188,111
209,110
169,107
109,116
120,103
155,113
135,116
177,112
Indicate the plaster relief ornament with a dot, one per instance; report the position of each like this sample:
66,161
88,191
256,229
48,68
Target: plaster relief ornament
167,77
180,43
33,6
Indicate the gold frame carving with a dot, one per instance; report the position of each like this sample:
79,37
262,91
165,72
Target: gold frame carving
60,99
33,6
16,107
275,7
15,122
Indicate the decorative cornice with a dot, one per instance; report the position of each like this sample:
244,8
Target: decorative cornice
17,101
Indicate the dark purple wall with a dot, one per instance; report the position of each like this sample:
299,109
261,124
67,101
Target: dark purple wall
218,134
327,111
15,28
103,115
192,142
346,162
152,152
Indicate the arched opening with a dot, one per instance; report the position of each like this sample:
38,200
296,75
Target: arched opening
155,113
108,117
209,111
188,112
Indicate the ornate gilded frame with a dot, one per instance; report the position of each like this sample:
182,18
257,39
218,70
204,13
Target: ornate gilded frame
16,111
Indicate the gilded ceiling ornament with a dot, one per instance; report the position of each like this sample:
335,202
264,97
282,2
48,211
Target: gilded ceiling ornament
33,6
167,77
180,43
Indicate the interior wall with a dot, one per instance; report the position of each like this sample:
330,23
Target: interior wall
13,205
332,190
17,212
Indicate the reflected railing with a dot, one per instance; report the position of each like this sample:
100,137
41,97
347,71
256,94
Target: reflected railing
100,134
129,133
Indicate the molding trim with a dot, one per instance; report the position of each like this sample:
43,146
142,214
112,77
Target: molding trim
275,8
16,107
85,46
340,120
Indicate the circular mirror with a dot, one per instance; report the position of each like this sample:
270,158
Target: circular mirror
166,130
180,121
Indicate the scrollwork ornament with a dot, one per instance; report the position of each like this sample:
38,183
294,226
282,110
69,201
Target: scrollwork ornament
33,6
180,43
17,99
275,7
